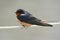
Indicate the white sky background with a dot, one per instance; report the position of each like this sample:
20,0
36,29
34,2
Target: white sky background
42,9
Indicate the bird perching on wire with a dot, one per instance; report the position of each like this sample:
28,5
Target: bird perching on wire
27,19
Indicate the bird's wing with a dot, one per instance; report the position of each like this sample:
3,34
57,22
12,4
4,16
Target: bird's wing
31,20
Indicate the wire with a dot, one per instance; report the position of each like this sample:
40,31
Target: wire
10,27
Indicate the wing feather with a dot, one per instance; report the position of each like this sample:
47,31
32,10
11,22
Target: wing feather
31,20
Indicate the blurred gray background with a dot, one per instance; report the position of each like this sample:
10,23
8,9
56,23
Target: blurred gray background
42,9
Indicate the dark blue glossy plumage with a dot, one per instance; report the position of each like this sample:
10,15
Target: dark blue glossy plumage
28,18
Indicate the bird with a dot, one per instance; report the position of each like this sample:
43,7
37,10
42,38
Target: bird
27,19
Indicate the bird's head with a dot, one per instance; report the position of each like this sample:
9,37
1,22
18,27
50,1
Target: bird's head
19,12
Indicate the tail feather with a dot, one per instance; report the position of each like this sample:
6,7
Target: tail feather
44,24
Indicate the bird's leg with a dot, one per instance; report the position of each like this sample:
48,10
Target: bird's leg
23,26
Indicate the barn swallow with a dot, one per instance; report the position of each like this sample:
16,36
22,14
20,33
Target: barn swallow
27,19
